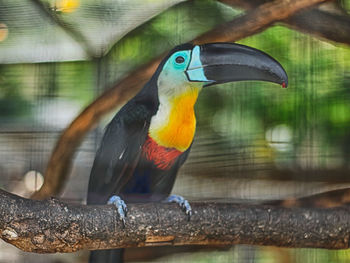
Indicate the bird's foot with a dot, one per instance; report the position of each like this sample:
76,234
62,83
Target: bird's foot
182,202
120,205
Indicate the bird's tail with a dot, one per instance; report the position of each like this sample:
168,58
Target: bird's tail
107,256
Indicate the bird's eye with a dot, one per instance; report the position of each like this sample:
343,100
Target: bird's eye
179,59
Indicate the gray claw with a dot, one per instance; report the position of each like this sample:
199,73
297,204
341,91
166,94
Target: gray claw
120,205
182,202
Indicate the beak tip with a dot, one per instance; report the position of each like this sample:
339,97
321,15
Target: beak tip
284,84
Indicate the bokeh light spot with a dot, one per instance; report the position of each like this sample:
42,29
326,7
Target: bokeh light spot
279,137
33,181
3,31
67,6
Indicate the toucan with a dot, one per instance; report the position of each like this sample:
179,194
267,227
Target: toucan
150,138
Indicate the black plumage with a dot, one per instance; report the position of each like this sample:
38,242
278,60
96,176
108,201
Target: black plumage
123,165
119,168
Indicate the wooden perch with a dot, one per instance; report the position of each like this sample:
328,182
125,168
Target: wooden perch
62,156
52,226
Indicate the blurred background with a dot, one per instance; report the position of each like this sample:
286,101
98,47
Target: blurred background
254,141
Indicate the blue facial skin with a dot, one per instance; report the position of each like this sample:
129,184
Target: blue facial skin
188,62
173,70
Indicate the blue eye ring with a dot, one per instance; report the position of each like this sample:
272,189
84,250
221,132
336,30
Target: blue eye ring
179,59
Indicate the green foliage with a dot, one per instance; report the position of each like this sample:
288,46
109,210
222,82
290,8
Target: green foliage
12,100
314,110
177,25
314,107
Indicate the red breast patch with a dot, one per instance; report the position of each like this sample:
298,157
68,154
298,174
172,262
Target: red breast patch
161,156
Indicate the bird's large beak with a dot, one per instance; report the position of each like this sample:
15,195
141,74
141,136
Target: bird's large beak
225,62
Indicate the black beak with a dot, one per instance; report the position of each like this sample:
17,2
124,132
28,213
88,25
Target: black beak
227,62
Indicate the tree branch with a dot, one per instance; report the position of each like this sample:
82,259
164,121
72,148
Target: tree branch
243,26
52,226
323,24
334,198
256,20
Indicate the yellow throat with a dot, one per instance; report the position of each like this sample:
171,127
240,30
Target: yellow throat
174,124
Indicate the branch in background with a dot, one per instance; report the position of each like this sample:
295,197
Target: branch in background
322,24
256,20
333,26
62,156
52,226
328,199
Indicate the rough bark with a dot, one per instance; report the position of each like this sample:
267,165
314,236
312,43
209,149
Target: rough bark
61,159
52,226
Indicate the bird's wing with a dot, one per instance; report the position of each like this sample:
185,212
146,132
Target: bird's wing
164,182
119,152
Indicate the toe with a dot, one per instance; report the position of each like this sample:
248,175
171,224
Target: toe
182,202
120,205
